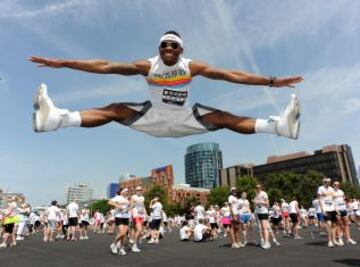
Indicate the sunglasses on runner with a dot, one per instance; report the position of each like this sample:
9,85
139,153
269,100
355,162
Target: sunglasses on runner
172,44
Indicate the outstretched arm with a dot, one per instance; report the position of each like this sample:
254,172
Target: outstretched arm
96,66
237,76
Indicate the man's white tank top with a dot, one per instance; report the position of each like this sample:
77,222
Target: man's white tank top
169,86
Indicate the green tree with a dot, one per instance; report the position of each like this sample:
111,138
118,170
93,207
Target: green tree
350,190
218,196
157,191
247,184
175,209
101,205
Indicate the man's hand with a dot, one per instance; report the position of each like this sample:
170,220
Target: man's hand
47,62
287,81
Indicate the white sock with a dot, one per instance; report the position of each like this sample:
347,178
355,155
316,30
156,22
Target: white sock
71,119
265,126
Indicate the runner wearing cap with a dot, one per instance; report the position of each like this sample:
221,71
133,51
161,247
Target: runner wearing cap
139,215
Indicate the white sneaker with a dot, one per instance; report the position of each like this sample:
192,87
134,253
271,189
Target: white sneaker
81,238
113,249
135,249
266,246
122,252
151,241
276,242
46,116
288,124
241,245
86,237
3,245
19,238
339,243
330,244
351,242
235,245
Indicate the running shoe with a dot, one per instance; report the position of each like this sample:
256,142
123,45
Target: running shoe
122,252
46,116
135,249
276,242
151,241
351,242
297,237
288,124
19,238
235,245
3,245
266,246
338,243
113,249
330,244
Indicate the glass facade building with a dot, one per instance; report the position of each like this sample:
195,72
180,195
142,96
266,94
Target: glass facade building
202,165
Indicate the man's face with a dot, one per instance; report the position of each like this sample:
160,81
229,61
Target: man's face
170,52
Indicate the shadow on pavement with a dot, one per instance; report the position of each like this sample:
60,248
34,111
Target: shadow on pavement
349,262
317,243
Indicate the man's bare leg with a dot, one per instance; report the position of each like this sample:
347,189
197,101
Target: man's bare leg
222,119
117,112
287,124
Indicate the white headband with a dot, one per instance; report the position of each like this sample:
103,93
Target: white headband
171,37
124,190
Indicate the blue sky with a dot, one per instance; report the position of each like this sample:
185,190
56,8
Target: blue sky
317,39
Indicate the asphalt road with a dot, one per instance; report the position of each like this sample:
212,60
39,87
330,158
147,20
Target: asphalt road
171,252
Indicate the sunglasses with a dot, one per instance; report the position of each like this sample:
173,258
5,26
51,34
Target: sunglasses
172,44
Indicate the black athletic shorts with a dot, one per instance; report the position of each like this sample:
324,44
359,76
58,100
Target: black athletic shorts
84,224
155,224
214,226
276,221
9,228
294,218
121,221
73,221
330,216
311,217
263,216
343,213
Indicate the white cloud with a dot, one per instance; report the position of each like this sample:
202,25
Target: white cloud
117,89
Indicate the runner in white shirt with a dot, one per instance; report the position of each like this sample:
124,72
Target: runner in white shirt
244,215
156,215
53,215
84,223
73,210
261,202
121,204
201,232
234,210
211,215
326,200
304,217
199,213
294,213
312,223
139,215
226,218
185,232
340,205
319,215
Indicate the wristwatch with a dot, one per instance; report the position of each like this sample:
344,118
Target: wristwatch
271,81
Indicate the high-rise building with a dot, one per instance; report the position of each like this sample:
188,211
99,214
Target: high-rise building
79,192
202,164
112,190
334,161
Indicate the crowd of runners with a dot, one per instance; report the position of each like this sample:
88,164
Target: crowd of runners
240,219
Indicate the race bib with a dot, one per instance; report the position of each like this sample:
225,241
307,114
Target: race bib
174,97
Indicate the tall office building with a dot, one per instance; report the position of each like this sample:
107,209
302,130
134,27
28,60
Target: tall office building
112,190
334,161
202,164
79,192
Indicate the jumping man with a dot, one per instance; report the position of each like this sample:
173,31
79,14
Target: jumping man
167,114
